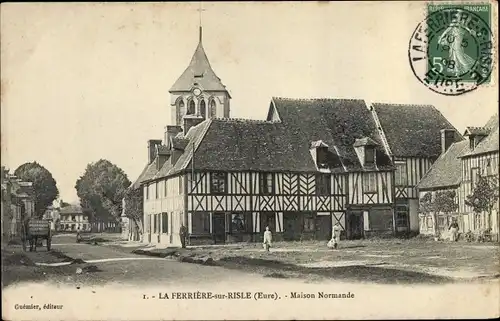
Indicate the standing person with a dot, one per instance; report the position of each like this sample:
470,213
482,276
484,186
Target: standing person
336,235
454,230
268,238
183,235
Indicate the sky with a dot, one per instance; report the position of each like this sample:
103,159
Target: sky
83,82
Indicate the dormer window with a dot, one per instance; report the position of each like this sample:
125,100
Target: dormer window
476,135
365,149
319,151
369,155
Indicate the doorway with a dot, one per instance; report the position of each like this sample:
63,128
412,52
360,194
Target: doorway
355,225
219,227
292,226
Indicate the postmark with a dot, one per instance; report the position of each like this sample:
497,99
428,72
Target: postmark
451,50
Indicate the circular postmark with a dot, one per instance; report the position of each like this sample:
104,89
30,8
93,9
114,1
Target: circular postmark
451,51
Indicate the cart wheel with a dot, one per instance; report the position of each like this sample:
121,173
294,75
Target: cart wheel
48,244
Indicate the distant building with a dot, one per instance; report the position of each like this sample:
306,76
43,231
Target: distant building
52,214
18,203
73,219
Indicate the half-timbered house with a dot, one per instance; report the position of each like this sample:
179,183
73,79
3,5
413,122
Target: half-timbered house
414,136
459,169
309,164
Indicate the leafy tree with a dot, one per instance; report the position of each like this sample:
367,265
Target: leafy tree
444,202
101,189
44,185
484,197
427,207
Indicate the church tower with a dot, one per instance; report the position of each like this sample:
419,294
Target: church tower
198,91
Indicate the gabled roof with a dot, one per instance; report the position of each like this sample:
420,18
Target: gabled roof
490,143
199,71
338,122
472,131
412,130
365,141
446,170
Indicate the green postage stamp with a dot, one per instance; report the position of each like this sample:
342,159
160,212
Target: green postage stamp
451,50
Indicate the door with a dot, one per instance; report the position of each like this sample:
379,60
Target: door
219,227
292,226
355,225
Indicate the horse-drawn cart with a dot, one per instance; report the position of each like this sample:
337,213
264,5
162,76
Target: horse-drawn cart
35,230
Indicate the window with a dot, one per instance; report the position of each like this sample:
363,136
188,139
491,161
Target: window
266,183
213,109
180,185
429,222
267,219
309,223
474,176
73,218
323,184
153,218
165,186
400,176
164,222
179,111
203,110
241,222
200,223
489,168
401,216
157,195
369,155
191,108
370,182
218,183
322,157
146,191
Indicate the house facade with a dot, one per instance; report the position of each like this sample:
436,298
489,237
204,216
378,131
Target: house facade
414,136
309,164
458,170
72,219
18,202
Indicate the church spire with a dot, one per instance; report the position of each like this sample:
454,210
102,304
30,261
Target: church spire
200,10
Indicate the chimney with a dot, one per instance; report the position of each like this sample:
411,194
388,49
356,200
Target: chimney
191,121
447,139
171,131
152,143
163,155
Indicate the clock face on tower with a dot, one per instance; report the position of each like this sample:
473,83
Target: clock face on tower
197,91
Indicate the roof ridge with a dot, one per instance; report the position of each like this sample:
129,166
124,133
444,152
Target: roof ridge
317,99
244,120
402,104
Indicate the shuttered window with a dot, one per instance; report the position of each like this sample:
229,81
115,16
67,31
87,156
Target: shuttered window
369,182
400,176
164,222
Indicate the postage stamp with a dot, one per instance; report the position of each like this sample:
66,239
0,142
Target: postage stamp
450,51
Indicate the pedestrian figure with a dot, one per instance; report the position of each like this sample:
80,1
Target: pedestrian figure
454,231
268,238
183,235
334,242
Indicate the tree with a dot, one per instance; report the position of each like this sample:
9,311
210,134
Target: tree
427,207
44,185
101,189
134,211
484,197
444,202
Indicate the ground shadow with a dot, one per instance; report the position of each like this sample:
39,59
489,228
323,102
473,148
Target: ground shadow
358,273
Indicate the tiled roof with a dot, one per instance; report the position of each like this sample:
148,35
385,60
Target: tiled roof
413,130
338,122
489,143
365,141
71,209
199,71
446,170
